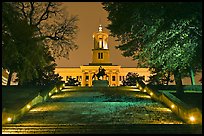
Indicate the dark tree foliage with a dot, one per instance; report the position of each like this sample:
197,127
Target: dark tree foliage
164,35
131,79
46,74
24,36
20,51
52,25
159,77
73,82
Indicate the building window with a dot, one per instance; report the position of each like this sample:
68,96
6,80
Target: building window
113,78
100,43
120,78
87,78
80,77
100,55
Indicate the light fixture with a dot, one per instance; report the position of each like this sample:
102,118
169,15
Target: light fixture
28,106
144,90
151,93
9,119
192,118
137,85
172,106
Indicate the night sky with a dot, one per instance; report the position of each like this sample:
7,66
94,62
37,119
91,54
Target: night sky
90,15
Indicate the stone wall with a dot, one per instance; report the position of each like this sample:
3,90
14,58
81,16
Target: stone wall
190,115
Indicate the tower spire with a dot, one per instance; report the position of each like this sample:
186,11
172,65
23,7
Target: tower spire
99,20
100,26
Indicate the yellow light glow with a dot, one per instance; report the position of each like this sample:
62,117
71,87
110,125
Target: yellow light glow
151,93
142,96
137,85
172,106
140,88
9,119
144,90
28,106
50,94
56,90
192,118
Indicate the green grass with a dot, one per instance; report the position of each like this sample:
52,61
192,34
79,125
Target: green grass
191,98
15,97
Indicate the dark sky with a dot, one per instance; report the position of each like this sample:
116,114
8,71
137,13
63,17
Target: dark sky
90,15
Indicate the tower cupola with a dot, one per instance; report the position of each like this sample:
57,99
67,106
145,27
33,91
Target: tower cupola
100,51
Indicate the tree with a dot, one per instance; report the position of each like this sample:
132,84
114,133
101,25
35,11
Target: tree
56,29
20,51
131,79
33,32
159,35
46,74
73,82
159,77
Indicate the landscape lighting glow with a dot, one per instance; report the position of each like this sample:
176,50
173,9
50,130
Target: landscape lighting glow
28,106
9,119
192,118
172,106
137,85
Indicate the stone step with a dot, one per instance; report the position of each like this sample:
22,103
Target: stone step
101,129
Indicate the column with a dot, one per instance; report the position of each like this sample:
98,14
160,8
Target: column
117,79
90,79
83,79
110,79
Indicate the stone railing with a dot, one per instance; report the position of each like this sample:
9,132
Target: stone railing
12,116
190,115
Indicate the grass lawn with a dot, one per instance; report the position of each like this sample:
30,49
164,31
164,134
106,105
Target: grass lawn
15,97
191,98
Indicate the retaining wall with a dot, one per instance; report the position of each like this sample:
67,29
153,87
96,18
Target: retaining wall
10,116
190,115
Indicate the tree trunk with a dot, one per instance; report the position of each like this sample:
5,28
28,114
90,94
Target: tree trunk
192,77
178,81
168,78
9,78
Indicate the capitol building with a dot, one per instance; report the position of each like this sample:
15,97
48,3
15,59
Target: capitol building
100,57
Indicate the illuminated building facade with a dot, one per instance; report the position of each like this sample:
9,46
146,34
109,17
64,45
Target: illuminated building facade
100,57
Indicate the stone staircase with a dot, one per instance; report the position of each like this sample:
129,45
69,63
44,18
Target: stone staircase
102,129
90,112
